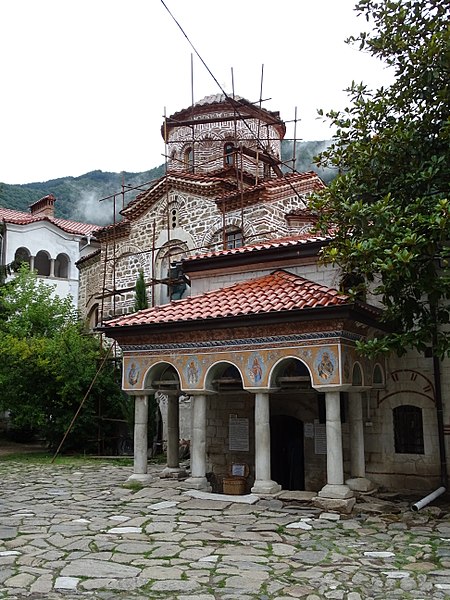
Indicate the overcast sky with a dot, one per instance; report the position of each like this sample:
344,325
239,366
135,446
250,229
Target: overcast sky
86,83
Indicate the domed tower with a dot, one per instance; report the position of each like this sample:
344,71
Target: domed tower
221,133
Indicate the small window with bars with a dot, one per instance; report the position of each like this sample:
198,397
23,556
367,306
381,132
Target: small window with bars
408,429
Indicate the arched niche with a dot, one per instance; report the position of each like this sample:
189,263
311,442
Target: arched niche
224,377
357,375
290,373
378,377
162,377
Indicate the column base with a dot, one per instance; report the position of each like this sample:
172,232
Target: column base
265,487
360,484
334,504
336,491
197,483
143,478
173,473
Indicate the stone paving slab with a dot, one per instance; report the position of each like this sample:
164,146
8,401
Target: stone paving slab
74,533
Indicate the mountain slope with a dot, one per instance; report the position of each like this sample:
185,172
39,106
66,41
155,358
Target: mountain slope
78,197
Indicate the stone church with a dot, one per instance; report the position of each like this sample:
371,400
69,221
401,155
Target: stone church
249,341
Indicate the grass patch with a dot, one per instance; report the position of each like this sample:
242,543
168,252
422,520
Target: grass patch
135,486
45,458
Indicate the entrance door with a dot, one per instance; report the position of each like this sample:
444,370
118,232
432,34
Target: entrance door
286,448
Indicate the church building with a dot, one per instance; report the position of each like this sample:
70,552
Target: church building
249,341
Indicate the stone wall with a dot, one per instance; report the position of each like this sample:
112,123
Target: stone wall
198,224
219,456
208,139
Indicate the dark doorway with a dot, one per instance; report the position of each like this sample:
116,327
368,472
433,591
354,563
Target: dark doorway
287,458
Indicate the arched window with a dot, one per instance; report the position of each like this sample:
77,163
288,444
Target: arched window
93,317
188,159
167,267
62,266
22,255
228,154
42,263
408,429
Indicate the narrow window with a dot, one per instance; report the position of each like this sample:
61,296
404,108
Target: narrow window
228,154
189,159
408,429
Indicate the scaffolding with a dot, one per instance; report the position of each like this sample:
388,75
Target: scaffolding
258,156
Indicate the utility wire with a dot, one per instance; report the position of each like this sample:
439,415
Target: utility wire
229,98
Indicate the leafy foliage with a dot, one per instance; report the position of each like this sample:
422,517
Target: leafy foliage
389,206
47,364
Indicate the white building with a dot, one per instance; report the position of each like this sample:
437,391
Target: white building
51,246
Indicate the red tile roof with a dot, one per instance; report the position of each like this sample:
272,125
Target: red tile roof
297,183
279,291
203,184
22,218
295,240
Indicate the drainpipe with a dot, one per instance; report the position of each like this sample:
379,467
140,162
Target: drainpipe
440,418
438,394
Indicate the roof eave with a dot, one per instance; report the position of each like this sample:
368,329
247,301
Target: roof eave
279,253
364,314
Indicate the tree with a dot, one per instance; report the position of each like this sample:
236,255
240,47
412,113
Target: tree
389,207
47,362
140,301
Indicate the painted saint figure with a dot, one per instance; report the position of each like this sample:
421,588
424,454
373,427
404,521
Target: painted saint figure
133,374
325,368
256,371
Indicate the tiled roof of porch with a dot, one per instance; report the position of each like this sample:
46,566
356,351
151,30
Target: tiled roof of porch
269,294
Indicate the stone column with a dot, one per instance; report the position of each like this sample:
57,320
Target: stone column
173,438
358,481
32,263
52,267
198,480
263,482
335,487
140,440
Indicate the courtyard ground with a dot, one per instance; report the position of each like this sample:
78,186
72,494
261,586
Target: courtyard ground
71,530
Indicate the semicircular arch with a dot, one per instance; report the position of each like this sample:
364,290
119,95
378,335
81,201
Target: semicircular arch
290,369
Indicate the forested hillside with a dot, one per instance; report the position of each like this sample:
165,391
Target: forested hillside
78,197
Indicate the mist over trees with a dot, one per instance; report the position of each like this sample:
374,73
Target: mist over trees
78,197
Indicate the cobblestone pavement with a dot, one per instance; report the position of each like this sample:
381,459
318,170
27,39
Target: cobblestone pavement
71,532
